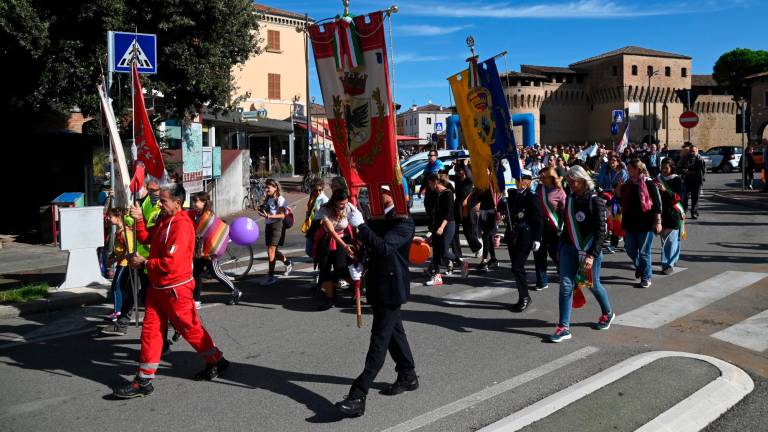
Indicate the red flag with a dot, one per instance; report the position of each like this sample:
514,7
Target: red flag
147,150
138,176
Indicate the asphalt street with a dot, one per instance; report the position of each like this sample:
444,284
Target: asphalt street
477,361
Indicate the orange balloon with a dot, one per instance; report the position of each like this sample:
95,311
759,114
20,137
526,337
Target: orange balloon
419,252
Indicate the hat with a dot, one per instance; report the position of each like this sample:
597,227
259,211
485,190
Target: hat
526,175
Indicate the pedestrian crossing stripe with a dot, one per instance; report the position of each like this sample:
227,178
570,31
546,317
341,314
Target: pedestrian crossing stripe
134,51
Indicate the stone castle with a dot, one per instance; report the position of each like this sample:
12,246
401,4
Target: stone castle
573,104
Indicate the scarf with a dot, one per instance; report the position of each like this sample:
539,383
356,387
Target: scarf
645,197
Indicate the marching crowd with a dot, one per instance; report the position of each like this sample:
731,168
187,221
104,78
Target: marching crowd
568,207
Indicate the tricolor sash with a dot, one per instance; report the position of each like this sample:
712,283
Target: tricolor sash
213,234
549,209
678,206
581,243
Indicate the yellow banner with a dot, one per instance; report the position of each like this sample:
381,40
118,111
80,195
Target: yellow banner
477,125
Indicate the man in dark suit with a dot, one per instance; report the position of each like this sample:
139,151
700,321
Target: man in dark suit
387,243
524,225
692,169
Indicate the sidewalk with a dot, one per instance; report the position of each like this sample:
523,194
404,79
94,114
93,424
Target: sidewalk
753,199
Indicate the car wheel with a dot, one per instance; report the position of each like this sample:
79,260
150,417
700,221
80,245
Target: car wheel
727,168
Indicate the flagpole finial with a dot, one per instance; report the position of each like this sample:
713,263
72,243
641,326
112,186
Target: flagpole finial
346,7
471,44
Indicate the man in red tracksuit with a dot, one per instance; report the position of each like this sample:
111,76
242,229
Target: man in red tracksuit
169,297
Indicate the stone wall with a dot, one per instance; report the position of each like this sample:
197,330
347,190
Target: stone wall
760,109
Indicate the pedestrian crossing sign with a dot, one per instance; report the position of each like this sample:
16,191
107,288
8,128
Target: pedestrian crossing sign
125,48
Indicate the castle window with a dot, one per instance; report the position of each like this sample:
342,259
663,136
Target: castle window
650,70
634,70
429,120
273,86
615,71
667,71
684,72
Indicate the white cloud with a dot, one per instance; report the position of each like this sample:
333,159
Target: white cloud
416,58
428,30
572,9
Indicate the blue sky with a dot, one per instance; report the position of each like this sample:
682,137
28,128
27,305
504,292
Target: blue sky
429,36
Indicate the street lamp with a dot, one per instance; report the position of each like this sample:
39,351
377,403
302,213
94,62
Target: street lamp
651,74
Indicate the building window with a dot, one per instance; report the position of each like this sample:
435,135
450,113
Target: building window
273,83
429,120
634,70
615,71
684,72
668,71
650,71
273,40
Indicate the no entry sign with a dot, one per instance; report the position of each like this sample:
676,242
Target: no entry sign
689,119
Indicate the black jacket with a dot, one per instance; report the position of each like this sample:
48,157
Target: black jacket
633,218
524,212
593,208
692,169
670,218
387,245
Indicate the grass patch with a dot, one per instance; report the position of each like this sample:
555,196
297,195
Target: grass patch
24,294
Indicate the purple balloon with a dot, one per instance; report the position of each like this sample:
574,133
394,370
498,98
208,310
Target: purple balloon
244,231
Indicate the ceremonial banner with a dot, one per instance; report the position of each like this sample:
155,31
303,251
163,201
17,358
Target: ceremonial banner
503,146
474,104
146,144
351,59
623,143
120,184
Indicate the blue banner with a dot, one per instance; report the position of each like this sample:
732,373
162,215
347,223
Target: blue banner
503,146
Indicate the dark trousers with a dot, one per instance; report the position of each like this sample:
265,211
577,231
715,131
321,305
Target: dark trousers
333,265
488,229
387,334
127,308
456,242
692,190
549,245
519,250
200,266
469,225
441,244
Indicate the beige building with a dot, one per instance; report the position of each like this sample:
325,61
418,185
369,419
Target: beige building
574,104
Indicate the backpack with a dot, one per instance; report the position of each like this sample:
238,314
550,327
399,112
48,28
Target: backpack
289,218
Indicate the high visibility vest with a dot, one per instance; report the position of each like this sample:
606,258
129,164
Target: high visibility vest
151,213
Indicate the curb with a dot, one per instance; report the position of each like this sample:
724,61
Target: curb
690,415
752,203
64,299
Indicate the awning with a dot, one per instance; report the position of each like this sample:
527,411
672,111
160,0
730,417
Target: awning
315,131
270,125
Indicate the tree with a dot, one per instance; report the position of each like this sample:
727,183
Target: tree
57,50
732,67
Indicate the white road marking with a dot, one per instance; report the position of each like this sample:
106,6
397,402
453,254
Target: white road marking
495,390
691,414
665,310
751,333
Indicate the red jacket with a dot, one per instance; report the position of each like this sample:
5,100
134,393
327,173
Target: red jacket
172,247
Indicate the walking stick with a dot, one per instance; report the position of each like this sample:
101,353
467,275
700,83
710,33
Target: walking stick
356,272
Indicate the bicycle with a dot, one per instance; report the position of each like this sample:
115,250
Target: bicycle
254,194
309,178
237,261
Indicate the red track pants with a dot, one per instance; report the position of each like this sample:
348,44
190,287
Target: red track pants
174,304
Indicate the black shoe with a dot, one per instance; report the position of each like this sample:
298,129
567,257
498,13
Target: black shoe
493,263
235,298
638,273
139,387
482,267
401,385
328,303
695,216
176,336
115,329
212,370
521,304
351,407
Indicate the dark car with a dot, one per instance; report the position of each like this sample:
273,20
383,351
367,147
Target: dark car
675,155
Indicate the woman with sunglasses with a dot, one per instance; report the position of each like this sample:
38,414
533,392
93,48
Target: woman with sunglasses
580,251
333,244
273,211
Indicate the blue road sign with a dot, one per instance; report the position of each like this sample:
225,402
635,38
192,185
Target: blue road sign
439,127
617,116
125,47
614,128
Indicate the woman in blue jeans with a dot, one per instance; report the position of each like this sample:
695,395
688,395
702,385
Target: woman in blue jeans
580,250
641,218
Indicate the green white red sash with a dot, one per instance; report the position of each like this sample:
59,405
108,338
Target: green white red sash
346,47
550,210
581,243
678,206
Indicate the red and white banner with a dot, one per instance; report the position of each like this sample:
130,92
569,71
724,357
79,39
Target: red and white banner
358,103
120,184
147,150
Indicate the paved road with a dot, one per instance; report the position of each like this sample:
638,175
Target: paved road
477,362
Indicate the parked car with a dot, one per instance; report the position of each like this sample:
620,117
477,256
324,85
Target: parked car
423,156
675,155
722,158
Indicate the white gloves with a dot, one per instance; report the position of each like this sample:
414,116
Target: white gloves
536,246
355,271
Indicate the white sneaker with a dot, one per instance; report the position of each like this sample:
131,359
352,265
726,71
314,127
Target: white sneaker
436,280
268,280
343,284
198,305
288,268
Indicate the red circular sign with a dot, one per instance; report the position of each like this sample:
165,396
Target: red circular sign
689,119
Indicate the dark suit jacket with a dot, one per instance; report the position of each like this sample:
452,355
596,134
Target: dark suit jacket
526,203
387,246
